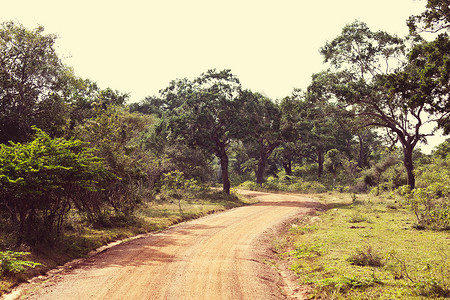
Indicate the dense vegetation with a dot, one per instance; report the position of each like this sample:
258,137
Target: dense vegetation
73,154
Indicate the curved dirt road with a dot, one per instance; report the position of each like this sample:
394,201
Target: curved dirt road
215,257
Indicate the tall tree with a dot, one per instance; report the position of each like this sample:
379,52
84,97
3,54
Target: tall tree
31,82
262,127
436,17
431,60
206,113
364,62
86,99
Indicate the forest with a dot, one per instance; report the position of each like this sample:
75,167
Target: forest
70,150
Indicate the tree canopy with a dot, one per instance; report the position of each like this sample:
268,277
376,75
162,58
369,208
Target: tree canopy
31,82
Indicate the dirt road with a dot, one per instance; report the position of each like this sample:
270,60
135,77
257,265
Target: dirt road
215,257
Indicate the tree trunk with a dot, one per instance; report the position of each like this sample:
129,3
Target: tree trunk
287,165
408,163
224,167
320,159
362,160
264,153
261,168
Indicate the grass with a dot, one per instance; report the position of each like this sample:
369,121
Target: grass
366,247
79,239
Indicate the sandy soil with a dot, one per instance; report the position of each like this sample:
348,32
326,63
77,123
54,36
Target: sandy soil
216,257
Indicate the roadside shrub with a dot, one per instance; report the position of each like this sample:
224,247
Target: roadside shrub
42,179
307,172
366,257
249,185
292,184
430,200
358,217
10,262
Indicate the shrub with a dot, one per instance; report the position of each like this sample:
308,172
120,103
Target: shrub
9,262
430,201
366,257
42,179
249,185
358,217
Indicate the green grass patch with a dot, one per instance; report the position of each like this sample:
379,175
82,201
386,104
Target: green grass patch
366,247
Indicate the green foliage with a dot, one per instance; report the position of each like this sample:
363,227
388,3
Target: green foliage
287,184
443,149
174,185
10,262
307,171
436,17
424,82
31,83
358,217
344,284
249,185
40,181
116,135
86,100
430,201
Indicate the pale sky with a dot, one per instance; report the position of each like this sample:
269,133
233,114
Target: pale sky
138,47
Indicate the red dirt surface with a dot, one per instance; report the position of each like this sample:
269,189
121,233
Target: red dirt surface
220,256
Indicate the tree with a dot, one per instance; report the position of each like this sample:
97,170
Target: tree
148,106
333,161
86,99
365,62
436,17
262,126
291,127
31,82
205,113
116,134
442,150
320,125
381,166
428,73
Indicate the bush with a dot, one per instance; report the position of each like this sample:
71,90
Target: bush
430,200
360,187
42,179
430,211
366,257
9,262
292,184
308,171
249,185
